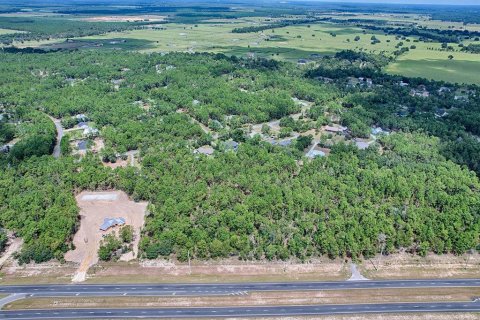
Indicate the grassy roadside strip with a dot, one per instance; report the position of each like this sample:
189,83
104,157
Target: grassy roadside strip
389,316
357,296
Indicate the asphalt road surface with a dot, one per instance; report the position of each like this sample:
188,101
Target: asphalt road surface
271,311
223,288
59,128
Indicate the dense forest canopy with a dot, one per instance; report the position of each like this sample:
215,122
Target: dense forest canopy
258,204
391,105
263,201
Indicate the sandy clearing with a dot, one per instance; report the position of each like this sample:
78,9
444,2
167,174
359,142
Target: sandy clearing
38,273
94,208
117,164
228,270
132,160
356,275
407,266
13,246
98,145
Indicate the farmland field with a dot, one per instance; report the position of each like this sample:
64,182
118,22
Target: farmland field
8,31
287,43
292,43
463,68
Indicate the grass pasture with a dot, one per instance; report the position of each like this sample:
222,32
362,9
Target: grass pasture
290,43
8,31
102,44
463,68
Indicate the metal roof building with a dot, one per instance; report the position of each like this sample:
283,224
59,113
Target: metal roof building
111,222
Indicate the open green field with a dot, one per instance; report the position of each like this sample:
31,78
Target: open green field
393,19
463,68
292,43
289,43
8,31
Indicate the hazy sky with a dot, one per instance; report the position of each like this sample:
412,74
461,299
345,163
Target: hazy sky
448,2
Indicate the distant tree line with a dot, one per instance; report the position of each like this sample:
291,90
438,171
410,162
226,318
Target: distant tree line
276,25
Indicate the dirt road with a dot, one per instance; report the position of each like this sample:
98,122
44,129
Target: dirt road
13,246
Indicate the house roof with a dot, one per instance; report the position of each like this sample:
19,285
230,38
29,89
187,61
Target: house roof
335,128
81,116
363,144
89,130
231,144
206,150
5,148
82,145
313,153
285,143
379,130
441,112
111,222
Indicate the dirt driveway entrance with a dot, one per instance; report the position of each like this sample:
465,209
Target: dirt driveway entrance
94,208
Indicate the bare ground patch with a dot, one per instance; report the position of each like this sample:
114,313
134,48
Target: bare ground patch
407,266
231,270
94,208
13,245
117,164
38,273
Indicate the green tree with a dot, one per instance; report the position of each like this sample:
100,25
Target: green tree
127,234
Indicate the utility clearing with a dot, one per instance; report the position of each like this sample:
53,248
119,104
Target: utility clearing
14,244
95,207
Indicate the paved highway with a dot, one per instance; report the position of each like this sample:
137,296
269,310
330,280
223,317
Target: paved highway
223,288
271,311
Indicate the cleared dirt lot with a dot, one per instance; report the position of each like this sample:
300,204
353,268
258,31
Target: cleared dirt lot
94,208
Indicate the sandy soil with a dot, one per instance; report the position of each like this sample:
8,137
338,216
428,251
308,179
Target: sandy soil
117,164
13,246
132,160
407,266
125,18
98,145
47,272
94,208
231,270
